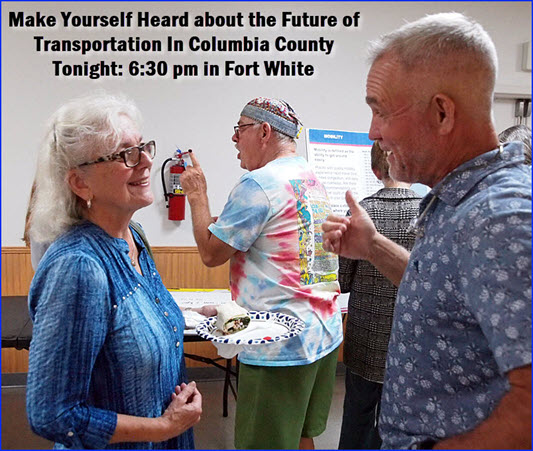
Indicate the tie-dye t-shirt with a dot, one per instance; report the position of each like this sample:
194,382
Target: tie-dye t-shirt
274,218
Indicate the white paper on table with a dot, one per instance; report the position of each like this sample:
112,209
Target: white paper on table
187,299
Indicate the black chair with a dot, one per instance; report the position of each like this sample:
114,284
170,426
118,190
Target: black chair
17,326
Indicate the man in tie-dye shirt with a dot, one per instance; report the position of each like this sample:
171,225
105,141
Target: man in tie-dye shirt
271,230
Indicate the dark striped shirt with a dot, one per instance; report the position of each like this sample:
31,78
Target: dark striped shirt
372,296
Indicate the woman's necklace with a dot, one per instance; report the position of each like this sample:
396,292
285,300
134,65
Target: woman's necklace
134,257
133,254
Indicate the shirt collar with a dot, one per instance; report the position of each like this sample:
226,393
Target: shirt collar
395,192
455,186
120,243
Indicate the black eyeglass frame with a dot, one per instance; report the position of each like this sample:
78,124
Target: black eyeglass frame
122,154
237,127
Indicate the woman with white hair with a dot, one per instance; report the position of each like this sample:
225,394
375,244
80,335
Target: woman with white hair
107,368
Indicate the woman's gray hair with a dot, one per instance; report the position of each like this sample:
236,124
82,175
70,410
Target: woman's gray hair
81,130
426,41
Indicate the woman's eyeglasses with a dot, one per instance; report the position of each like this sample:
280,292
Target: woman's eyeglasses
131,156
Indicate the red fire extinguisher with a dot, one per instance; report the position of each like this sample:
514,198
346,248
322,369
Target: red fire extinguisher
175,198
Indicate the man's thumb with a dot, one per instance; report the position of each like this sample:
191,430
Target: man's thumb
352,203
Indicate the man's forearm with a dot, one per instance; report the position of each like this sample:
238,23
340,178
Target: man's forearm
213,251
201,219
508,426
389,258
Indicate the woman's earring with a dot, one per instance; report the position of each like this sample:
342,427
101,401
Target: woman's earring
89,203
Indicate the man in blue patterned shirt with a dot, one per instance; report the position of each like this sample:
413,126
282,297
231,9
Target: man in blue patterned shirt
458,371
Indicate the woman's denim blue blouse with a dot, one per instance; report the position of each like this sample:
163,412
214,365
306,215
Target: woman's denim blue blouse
106,340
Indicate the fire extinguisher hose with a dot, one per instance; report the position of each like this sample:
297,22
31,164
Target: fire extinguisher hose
163,179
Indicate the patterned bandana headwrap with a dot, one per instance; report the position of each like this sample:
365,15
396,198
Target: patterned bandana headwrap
277,113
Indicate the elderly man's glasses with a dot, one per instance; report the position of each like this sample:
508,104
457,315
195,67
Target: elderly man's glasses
131,156
237,128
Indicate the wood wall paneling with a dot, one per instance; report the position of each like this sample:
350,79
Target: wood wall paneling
16,271
14,361
180,267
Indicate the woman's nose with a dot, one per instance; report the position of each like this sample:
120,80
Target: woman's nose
145,161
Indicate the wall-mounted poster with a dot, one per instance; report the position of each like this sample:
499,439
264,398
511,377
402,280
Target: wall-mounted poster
341,161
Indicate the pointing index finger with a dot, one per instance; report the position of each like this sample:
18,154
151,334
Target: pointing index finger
194,161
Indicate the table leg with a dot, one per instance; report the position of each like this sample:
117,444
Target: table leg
227,383
227,378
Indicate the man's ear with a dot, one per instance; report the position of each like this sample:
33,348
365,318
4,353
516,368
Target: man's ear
266,131
444,113
78,185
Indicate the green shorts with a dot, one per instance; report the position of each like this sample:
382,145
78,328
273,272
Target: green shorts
276,406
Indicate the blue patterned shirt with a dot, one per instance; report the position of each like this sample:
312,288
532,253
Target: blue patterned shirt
463,312
106,340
